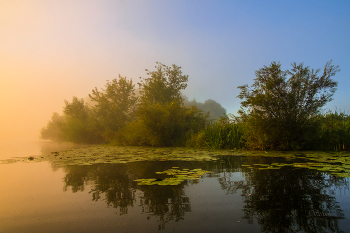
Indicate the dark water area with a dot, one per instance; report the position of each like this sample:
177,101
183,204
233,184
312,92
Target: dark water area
42,197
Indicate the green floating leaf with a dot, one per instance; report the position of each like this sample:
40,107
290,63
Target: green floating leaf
345,174
259,164
178,177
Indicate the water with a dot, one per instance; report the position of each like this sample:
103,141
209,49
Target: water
42,197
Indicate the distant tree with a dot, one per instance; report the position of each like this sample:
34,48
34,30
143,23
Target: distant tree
214,108
280,112
53,129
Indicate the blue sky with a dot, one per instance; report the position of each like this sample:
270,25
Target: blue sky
52,50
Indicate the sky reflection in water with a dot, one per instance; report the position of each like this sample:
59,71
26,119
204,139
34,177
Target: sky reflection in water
40,197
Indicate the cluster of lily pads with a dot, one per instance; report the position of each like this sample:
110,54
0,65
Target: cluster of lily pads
115,154
335,164
178,176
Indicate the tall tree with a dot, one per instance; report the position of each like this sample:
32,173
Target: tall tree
162,118
279,111
164,84
115,105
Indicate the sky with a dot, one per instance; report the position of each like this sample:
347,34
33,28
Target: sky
53,50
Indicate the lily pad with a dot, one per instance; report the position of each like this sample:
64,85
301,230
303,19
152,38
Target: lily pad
178,177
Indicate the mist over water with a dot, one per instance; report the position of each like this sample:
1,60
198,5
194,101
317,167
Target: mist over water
25,148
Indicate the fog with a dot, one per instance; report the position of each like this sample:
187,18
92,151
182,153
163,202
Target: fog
54,50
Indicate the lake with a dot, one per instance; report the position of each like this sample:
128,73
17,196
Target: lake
49,187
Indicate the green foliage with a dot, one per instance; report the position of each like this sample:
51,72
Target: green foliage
101,122
162,118
53,129
168,124
115,106
75,125
164,84
279,112
79,127
222,134
333,133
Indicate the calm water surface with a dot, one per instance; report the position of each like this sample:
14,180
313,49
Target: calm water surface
40,197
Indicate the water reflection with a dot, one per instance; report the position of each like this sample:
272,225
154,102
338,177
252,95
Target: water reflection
289,200
114,184
285,200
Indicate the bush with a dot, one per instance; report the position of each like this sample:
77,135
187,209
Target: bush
168,124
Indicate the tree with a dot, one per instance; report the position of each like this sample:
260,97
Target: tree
80,125
280,112
164,85
214,108
115,105
53,129
162,118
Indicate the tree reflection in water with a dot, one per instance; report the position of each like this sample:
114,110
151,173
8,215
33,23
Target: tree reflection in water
114,183
288,200
285,200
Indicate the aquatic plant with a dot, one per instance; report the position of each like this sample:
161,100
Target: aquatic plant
178,176
333,164
225,133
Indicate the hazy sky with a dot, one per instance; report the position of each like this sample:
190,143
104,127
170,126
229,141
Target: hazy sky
52,50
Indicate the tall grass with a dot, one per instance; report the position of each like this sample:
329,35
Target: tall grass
330,132
222,134
334,132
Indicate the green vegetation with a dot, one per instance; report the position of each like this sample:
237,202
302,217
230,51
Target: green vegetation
157,118
178,177
331,163
333,133
280,111
225,133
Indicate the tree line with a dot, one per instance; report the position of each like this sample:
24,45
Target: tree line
281,110
158,116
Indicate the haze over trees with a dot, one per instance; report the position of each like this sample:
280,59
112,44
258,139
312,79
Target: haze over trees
158,117
280,111
214,108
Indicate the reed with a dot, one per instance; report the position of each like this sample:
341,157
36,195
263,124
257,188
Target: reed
221,134
334,132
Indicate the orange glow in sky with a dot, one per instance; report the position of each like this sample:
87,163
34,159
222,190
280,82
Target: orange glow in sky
53,50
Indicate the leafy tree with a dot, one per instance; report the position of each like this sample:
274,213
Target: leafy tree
162,118
80,126
115,105
76,108
168,124
164,84
53,129
281,111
